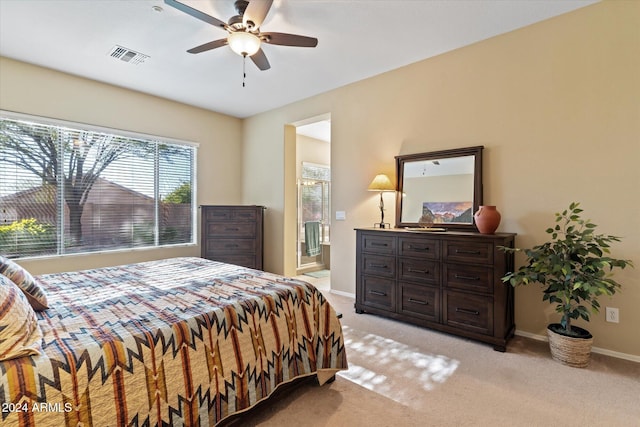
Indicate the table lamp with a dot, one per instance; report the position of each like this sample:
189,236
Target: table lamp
381,183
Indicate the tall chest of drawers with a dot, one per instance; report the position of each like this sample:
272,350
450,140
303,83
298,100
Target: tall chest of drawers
449,281
233,234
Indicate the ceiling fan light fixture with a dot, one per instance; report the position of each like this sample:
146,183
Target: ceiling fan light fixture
244,43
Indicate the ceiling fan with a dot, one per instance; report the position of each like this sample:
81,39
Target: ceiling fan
245,36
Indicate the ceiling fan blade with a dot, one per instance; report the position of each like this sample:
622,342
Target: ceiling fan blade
196,13
284,39
256,12
260,59
208,46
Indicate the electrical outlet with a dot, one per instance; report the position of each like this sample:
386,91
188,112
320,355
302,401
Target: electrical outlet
613,315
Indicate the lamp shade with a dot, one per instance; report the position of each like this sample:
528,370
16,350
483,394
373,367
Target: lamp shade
381,183
244,43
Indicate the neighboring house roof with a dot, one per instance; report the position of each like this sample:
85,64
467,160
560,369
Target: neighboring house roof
102,192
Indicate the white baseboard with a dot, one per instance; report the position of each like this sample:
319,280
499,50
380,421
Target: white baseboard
344,294
606,352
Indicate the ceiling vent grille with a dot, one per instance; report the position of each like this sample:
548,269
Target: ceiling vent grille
128,55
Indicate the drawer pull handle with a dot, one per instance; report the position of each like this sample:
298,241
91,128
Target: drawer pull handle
378,293
458,276
378,266
231,245
419,248
464,310
417,301
411,270
462,251
231,229
379,244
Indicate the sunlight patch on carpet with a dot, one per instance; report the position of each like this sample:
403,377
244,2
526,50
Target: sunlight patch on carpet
370,355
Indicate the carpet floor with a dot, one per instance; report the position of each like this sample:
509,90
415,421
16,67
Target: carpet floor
318,274
403,375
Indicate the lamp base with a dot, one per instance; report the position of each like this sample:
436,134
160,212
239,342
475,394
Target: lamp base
381,225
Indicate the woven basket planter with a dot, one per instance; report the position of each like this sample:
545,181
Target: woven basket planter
570,351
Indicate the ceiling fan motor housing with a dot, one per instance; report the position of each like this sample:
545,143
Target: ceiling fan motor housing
237,21
244,35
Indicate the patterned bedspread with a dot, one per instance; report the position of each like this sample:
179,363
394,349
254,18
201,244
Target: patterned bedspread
182,341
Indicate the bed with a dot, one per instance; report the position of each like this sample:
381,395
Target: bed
181,341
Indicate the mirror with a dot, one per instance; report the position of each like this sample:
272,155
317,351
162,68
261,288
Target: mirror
441,189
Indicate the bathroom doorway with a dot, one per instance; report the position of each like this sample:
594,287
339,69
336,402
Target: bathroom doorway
313,170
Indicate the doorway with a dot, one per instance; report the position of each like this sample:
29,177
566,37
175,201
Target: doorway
314,195
313,170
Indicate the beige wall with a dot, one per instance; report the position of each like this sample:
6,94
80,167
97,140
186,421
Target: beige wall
556,106
311,150
34,90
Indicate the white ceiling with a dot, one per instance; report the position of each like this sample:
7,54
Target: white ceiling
319,130
357,39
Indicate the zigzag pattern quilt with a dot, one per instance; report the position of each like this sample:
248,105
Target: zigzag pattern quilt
176,342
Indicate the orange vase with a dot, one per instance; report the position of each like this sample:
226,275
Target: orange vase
487,219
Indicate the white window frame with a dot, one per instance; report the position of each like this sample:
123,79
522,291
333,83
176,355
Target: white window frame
4,114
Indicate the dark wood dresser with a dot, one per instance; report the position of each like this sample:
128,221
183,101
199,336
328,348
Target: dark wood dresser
448,281
233,234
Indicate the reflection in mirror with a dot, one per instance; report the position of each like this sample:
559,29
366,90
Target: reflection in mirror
439,189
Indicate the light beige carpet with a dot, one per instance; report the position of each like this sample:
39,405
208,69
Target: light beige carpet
402,375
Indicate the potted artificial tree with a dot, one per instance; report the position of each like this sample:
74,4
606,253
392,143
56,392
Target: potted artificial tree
574,269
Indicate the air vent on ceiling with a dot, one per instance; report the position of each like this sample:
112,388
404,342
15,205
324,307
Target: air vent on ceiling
128,55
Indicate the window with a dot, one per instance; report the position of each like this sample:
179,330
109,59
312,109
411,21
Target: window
70,188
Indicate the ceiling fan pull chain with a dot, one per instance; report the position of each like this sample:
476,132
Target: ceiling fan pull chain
244,69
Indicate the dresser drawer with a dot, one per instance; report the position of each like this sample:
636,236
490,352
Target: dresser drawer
419,301
225,214
420,270
379,265
378,292
231,246
465,251
419,248
468,311
233,234
237,230
469,277
444,281
378,244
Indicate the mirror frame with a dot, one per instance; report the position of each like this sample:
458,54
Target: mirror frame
435,155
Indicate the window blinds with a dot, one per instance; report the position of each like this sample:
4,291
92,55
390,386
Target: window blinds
68,189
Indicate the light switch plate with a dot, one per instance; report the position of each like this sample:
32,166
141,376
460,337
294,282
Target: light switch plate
341,215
